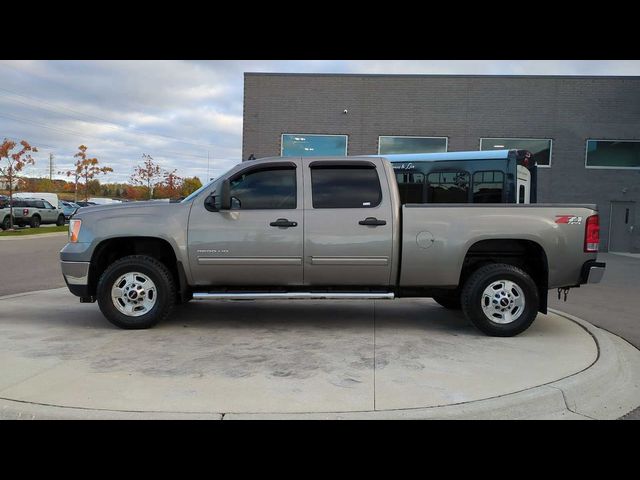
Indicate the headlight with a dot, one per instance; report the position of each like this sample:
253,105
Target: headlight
74,230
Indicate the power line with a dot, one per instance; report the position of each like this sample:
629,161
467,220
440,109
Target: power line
84,135
112,125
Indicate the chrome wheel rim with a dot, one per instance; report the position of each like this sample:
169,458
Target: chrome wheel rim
503,301
134,294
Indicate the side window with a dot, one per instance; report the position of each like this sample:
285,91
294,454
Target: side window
521,194
47,204
488,187
448,187
38,204
270,188
345,187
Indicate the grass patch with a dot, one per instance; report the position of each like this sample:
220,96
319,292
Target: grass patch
33,231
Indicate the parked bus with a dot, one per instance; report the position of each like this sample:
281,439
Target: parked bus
492,176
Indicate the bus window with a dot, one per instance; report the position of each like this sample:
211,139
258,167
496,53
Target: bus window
411,187
448,187
488,187
521,198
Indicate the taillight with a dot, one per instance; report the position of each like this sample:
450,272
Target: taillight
592,234
25,212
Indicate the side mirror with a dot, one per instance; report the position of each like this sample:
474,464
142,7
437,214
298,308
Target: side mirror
212,203
225,195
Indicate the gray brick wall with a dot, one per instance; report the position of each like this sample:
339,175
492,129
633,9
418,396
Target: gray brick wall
463,108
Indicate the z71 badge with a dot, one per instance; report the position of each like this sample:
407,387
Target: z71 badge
570,219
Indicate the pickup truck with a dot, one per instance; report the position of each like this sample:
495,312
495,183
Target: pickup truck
327,228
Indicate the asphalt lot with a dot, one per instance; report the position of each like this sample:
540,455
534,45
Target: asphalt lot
614,304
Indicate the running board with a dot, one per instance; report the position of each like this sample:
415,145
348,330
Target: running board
293,296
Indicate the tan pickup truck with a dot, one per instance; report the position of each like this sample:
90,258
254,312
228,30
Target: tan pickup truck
331,228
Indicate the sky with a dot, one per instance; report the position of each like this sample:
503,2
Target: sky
186,114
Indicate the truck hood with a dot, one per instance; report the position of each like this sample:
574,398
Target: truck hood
124,209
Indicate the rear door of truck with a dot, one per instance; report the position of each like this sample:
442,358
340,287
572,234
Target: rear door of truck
348,223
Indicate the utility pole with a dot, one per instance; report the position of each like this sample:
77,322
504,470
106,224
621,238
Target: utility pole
51,166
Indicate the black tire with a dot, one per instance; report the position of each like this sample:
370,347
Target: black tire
157,272
5,223
472,298
452,302
60,221
35,221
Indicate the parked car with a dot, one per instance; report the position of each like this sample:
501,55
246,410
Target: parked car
4,212
328,228
85,204
68,208
35,212
52,198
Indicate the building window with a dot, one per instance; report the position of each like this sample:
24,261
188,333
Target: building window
488,187
345,187
391,145
312,145
448,187
270,188
539,147
613,154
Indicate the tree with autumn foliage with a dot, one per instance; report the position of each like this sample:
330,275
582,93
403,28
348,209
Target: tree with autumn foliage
190,185
149,174
170,187
13,163
85,168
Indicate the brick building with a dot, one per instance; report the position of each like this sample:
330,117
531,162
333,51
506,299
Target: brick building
583,131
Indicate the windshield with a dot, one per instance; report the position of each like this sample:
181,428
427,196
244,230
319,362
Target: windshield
205,186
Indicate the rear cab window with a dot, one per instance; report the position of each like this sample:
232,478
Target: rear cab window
348,186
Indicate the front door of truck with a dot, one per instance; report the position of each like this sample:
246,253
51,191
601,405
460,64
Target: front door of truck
259,241
348,223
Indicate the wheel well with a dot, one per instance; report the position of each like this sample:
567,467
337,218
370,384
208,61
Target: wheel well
108,251
525,254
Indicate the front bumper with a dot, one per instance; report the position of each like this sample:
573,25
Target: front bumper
592,272
76,276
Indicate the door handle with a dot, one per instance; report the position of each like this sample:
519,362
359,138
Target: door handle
372,221
283,222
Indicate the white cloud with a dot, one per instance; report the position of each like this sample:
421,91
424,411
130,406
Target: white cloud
181,111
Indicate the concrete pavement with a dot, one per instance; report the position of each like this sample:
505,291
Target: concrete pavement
30,262
276,359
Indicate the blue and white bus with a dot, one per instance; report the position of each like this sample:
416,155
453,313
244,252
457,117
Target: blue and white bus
493,176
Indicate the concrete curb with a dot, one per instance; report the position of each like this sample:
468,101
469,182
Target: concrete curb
35,235
607,389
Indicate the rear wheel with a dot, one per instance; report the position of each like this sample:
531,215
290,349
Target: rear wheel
136,292
500,300
35,221
5,223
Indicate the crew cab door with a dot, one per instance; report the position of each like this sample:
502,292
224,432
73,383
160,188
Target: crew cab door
259,241
348,223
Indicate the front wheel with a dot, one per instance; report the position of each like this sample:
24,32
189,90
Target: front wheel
500,300
136,292
60,221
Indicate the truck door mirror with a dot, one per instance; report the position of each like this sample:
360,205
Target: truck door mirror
212,203
225,195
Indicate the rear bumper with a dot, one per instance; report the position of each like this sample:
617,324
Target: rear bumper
592,272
